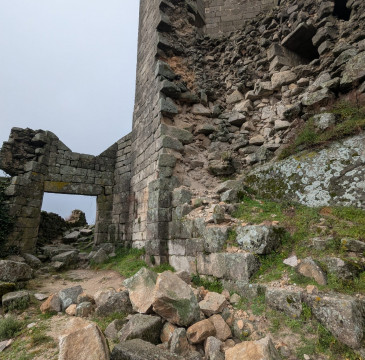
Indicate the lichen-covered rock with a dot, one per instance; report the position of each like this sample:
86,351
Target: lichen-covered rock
353,245
212,349
139,326
138,349
84,309
342,315
342,269
118,302
12,271
215,237
174,300
309,268
259,239
102,295
354,71
69,296
178,343
68,258
288,301
200,331
262,349
83,340
140,287
167,331
32,261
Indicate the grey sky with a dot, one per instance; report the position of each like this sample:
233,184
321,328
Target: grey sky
69,66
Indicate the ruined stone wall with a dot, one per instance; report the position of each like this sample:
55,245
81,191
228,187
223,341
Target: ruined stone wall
224,16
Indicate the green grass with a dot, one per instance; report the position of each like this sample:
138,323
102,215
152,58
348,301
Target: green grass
163,267
39,336
10,327
211,285
127,262
103,322
351,121
257,304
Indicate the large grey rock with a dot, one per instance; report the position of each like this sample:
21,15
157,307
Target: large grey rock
212,349
220,168
12,271
83,340
84,309
213,303
178,343
69,296
259,239
318,98
174,300
341,269
354,71
16,300
71,238
263,349
140,287
324,121
138,349
282,78
118,302
68,258
111,331
32,261
342,315
353,245
229,266
287,301
144,327
102,295
100,257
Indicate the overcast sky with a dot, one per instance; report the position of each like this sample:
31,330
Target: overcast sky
69,66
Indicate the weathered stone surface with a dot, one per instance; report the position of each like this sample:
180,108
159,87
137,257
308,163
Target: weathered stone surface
139,326
282,78
205,129
200,331
12,271
71,310
111,331
84,309
118,302
178,343
69,296
68,258
174,300
101,296
353,245
354,71
212,349
324,121
235,97
309,268
71,238
237,266
167,331
138,349
262,349
213,303
222,330
83,340
140,287
15,300
236,119
288,301
32,261
6,287
220,168
344,270
259,239
199,109
215,237
342,315
52,304
100,257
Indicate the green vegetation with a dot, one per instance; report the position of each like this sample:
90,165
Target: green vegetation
127,262
9,327
214,285
39,336
351,121
257,304
301,224
103,322
163,267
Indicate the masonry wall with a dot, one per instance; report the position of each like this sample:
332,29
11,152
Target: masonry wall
224,16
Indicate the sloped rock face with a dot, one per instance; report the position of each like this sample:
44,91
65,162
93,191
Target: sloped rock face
343,315
13,271
174,301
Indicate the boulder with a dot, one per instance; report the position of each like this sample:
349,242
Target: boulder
263,349
101,296
212,349
138,349
16,300
215,237
140,287
111,331
342,315
144,327
282,78
324,121
167,331
309,268
200,331
222,330
287,301
118,302
71,310
354,71
83,340
353,245
67,258
12,271
84,309
174,300
178,343
318,98
52,304
100,257
32,261
199,109
213,303
341,269
71,238
69,296
259,239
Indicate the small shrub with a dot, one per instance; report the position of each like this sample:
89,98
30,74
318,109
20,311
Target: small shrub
9,327
163,267
214,285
